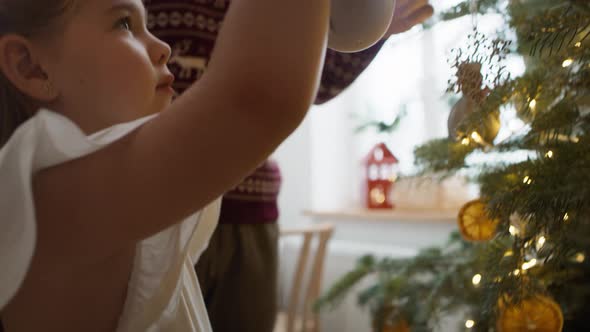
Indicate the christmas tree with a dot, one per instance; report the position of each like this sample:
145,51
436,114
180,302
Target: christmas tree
520,259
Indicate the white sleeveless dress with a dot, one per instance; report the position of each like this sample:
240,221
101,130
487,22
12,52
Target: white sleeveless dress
163,293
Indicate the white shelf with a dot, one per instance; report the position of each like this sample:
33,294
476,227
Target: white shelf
444,216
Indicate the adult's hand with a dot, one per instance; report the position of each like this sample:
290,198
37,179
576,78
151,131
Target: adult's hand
407,14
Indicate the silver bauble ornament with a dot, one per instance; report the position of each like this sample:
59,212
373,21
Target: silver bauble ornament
358,24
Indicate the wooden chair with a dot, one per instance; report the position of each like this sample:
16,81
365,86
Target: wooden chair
299,315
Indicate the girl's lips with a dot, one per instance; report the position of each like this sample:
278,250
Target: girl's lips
166,89
165,82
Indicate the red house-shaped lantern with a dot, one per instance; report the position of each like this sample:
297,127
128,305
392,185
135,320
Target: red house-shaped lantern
380,175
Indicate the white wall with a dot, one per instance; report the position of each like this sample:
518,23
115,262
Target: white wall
294,161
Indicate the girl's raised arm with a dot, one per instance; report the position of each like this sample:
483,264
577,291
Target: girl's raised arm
261,80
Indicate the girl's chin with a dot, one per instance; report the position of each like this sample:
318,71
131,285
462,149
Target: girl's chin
162,106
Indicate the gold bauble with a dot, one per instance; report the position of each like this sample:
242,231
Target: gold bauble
399,326
487,129
393,320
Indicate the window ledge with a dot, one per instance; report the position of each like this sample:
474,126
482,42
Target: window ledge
418,215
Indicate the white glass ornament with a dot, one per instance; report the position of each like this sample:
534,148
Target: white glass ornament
356,25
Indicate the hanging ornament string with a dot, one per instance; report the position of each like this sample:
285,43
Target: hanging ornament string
473,6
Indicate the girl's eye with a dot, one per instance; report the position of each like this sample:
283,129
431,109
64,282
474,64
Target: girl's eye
124,23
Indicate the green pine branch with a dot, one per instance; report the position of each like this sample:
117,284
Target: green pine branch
545,195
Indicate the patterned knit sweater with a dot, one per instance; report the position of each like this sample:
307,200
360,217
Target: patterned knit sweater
191,27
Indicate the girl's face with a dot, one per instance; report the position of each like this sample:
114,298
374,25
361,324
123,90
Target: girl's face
106,67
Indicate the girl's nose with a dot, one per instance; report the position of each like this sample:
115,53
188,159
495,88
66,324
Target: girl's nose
160,52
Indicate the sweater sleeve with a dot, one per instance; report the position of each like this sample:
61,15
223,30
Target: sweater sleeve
342,69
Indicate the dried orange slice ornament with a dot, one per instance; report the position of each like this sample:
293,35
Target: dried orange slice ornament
474,223
538,314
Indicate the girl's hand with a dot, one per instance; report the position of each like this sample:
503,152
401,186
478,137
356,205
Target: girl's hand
407,14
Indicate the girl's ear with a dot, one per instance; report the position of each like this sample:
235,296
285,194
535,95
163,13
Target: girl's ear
19,64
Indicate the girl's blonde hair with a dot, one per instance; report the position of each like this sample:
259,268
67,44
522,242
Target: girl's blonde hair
28,18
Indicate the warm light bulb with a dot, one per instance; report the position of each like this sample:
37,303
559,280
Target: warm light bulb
566,217
580,257
509,253
516,272
529,264
476,279
465,141
513,231
533,104
541,241
578,44
469,323
377,195
549,154
476,137
567,62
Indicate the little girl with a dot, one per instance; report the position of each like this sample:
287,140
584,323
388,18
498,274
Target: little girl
98,230
92,236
